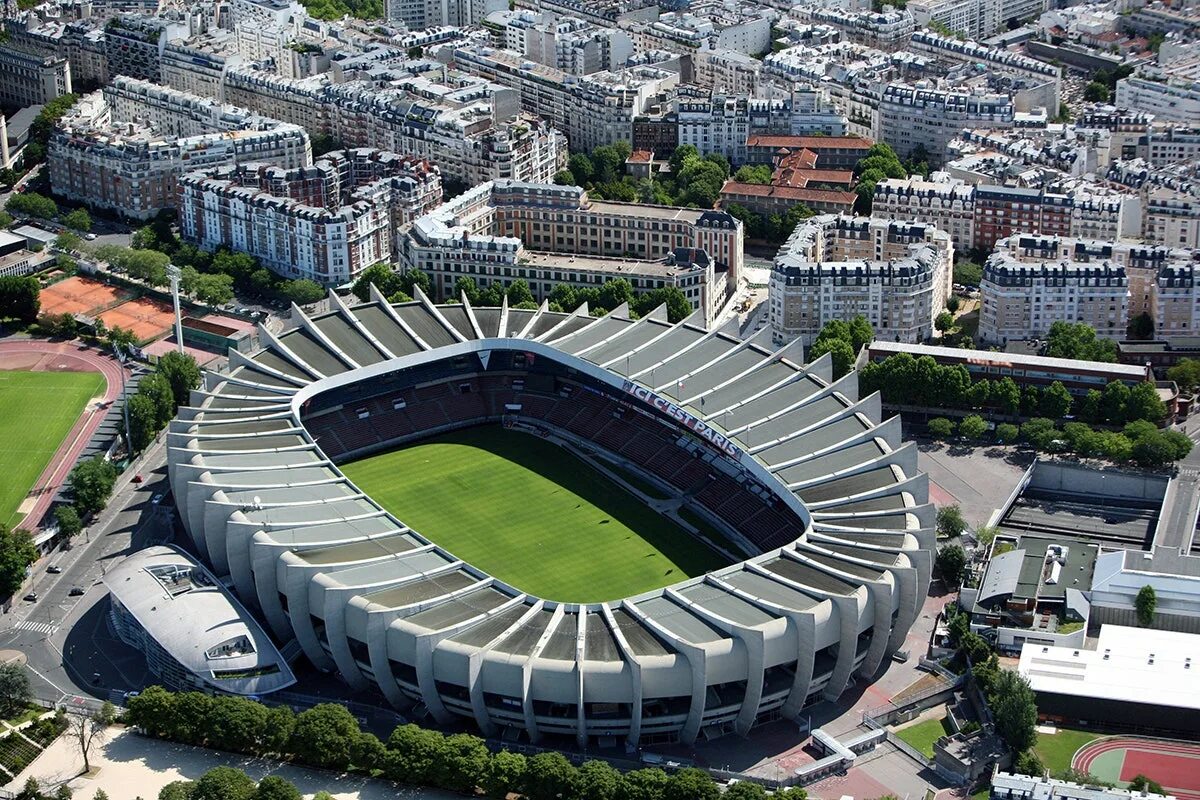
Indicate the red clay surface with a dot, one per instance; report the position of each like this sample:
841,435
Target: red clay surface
38,356
80,296
148,319
1175,765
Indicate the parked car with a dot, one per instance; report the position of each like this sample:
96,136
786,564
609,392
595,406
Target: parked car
137,478
31,597
156,499
54,569
76,591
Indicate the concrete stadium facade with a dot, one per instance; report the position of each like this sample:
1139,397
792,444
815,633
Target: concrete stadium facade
825,503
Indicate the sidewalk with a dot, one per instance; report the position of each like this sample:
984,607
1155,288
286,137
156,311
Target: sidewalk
128,766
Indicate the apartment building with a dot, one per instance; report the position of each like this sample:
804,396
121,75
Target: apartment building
125,148
896,274
198,65
592,110
943,201
133,45
1172,144
1172,217
746,30
86,52
326,223
1171,96
420,14
912,116
576,47
1031,282
31,78
1037,83
546,235
1001,211
726,124
888,29
727,71
975,19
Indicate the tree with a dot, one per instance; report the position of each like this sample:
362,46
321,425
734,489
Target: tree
214,290
1006,433
302,292
177,790
87,730
323,735
1039,432
182,373
505,773
19,298
224,783
678,306
1113,401
15,693
692,784
378,275
1006,395
1055,401
951,561
753,173
91,484
67,518
745,790
839,350
367,753
597,780
68,242
944,322
273,787
463,762
1078,340
941,428
143,422
32,204
119,338
78,220
157,388
1014,710
153,710
1144,403
17,552
950,522
415,753
549,777
1095,92
1186,373
1145,603
1027,763
581,169
972,427
643,784
237,724
1141,783
564,178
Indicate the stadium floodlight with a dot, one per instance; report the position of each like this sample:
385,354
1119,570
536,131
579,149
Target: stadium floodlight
174,274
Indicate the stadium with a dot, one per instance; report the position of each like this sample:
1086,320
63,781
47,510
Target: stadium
789,533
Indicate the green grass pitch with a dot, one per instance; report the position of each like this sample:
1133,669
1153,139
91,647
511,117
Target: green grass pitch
37,410
531,514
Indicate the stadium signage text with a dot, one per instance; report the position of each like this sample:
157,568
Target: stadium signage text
690,422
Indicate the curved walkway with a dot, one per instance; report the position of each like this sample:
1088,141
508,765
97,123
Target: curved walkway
37,355
1175,765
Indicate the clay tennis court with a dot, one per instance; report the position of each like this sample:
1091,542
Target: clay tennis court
145,317
1175,765
80,296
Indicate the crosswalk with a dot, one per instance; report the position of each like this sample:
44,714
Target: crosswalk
37,627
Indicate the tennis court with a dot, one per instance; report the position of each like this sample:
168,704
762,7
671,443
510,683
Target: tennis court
146,318
80,296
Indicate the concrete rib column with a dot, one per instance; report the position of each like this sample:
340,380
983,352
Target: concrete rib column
296,588
580,654
847,610
907,580
754,642
531,725
426,643
334,608
635,673
880,594
475,670
697,658
265,560
378,623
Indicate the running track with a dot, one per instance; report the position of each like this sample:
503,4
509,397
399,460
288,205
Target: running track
1173,767
39,355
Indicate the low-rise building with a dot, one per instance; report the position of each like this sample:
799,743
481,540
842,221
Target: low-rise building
548,235
125,148
896,274
325,223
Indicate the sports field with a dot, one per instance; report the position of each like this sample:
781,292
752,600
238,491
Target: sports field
531,514
37,410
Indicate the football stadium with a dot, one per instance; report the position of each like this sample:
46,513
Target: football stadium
557,525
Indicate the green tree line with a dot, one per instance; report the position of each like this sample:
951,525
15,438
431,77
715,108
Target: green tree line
695,180
329,737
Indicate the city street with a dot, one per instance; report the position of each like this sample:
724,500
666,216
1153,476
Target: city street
64,637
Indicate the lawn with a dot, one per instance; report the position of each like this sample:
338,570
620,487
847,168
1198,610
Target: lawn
531,514
37,410
1056,749
922,735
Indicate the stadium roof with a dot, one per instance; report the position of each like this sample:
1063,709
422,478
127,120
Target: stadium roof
810,442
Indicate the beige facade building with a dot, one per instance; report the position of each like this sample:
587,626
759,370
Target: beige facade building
126,147
896,274
943,201
326,223
547,235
